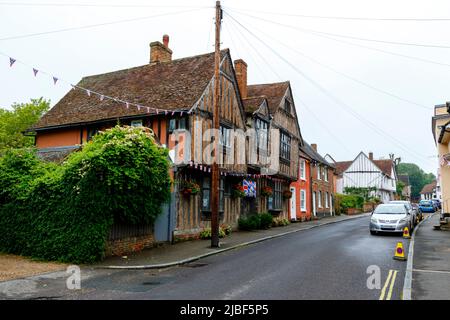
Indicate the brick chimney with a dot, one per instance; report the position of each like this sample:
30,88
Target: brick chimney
314,146
240,67
160,52
371,155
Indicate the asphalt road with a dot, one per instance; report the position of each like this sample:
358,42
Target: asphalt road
329,262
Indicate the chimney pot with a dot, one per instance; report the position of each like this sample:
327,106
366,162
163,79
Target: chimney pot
160,52
166,40
371,155
314,146
240,66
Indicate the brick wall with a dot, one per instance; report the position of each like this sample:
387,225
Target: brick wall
124,246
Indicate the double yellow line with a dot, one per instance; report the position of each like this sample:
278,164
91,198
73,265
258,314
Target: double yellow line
389,283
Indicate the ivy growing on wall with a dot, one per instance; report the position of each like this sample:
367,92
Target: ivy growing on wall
64,212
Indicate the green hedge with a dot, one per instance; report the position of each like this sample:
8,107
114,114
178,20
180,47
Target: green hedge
255,221
346,201
64,212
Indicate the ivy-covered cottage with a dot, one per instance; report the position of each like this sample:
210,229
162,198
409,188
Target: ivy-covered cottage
174,98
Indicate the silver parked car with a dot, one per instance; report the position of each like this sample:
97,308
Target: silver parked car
414,212
390,217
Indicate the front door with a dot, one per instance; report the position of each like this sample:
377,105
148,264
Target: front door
293,205
314,203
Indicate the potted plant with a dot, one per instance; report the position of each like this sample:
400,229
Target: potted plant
238,191
266,191
190,188
287,194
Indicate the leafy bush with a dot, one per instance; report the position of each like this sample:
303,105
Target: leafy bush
206,233
280,222
64,212
252,222
227,229
346,201
266,220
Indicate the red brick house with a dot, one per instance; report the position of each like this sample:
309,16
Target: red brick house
322,183
300,203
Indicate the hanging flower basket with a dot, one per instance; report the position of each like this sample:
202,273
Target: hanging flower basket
238,191
190,188
287,194
266,191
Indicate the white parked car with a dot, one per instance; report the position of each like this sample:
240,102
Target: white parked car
391,218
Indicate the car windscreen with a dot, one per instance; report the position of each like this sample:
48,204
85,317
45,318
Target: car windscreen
394,209
425,203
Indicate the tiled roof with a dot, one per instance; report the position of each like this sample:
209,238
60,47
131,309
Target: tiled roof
314,155
274,92
252,104
341,166
428,188
173,85
385,165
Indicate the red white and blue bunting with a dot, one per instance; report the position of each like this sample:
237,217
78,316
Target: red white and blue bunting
99,95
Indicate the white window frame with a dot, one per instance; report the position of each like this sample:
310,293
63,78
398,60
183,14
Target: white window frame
303,200
318,172
325,174
319,200
303,169
326,201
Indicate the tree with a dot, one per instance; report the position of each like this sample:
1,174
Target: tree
400,186
417,177
21,117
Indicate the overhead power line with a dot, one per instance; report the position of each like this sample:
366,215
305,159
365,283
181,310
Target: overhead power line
96,25
385,92
347,36
356,44
95,5
269,65
343,18
346,107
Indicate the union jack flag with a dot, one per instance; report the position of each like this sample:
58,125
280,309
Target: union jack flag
249,188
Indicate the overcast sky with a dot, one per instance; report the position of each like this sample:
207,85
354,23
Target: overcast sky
353,117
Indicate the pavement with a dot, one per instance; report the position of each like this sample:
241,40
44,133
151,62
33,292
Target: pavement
184,252
328,262
431,262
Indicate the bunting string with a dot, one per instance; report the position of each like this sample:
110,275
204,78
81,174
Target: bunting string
90,93
204,168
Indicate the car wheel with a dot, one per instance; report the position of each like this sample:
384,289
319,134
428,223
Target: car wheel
373,232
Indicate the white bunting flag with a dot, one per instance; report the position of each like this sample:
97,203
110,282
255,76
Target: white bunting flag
11,61
173,112
128,105
157,111
148,110
139,108
165,112
88,93
181,113
102,97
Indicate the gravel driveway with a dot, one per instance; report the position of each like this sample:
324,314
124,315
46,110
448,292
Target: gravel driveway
14,267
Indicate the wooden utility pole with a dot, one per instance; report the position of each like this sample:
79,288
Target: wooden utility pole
215,175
